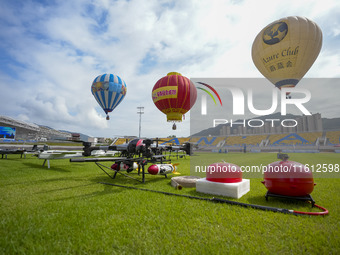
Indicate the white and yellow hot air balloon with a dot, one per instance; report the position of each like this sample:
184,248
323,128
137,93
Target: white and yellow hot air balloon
285,50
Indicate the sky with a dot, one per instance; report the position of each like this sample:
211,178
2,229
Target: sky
51,51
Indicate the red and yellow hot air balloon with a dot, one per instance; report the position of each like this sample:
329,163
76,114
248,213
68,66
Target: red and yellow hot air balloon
174,95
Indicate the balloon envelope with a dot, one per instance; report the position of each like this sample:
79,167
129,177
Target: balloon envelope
109,90
174,95
285,50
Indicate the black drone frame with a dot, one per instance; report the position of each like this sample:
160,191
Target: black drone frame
141,161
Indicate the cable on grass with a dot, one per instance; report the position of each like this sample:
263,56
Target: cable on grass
220,200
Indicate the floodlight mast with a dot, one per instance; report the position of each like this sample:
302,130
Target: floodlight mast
140,112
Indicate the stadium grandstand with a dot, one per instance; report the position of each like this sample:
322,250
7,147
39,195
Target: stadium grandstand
333,137
297,141
22,130
290,142
119,141
254,140
25,131
52,134
295,138
173,140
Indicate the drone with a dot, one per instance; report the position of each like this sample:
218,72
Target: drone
141,147
48,154
5,152
20,151
135,155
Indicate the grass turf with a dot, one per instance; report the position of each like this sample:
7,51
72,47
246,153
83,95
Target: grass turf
64,210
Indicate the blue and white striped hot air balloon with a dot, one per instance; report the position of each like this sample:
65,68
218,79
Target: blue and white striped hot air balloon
109,90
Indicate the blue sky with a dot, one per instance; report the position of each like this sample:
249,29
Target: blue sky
50,52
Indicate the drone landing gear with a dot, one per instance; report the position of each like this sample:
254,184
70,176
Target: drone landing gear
141,169
48,163
141,162
128,162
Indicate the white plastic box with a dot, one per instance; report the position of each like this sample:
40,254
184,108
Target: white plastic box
234,190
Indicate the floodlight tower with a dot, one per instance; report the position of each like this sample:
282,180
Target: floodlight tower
140,112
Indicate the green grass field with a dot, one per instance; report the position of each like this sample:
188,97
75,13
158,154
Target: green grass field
64,210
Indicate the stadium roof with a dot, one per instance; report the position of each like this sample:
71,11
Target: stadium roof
18,123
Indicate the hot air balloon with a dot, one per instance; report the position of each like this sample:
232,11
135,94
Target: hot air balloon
174,95
109,90
285,50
